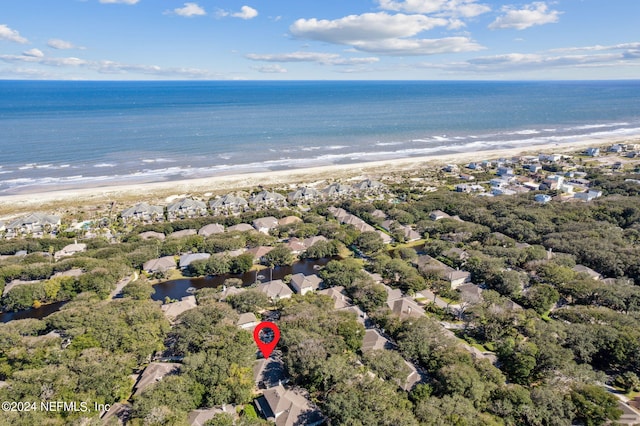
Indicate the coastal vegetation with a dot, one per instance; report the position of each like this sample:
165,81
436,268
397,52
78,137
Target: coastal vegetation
554,330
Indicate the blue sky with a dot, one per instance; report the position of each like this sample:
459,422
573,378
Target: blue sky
311,39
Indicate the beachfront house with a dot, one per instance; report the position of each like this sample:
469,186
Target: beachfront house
303,195
35,224
592,152
143,212
186,208
369,186
228,204
336,190
588,195
266,199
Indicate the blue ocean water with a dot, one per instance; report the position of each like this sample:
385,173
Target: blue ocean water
74,133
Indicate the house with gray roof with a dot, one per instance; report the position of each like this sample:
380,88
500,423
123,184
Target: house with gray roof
241,227
228,204
303,284
143,212
247,321
288,407
186,208
186,259
427,265
210,229
406,308
183,233
266,199
152,234
162,264
340,299
265,224
336,190
369,186
34,223
581,269
154,373
276,290
201,416
374,341
172,310
303,195
70,250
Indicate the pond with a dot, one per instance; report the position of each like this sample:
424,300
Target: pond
177,289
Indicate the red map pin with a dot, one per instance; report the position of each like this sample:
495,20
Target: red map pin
271,337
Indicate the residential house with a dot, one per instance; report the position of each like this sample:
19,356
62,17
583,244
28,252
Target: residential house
295,245
35,224
475,166
430,266
247,321
374,341
201,416
533,168
408,233
308,242
186,259
228,204
70,250
588,195
265,224
186,208
617,148
172,310
552,158
152,234
182,233
467,177
456,254
276,290
266,199
592,152
336,190
393,294
505,171
154,373
378,214
470,293
413,378
303,195
406,307
259,252
269,372
211,229
302,284
162,264
143,212
229,291
241,227
340,300
361,316
288,407
450,168
438,214
542,198
581,269
289,220
369,186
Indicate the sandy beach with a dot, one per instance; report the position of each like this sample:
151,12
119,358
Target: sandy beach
126,194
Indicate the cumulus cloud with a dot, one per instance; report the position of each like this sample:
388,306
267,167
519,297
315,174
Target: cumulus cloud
321,58
384,34
62,44
536,13
119,1
246,12
8,34
189,10
270,69
456,8
36,53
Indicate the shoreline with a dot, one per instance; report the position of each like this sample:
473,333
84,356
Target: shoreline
156,191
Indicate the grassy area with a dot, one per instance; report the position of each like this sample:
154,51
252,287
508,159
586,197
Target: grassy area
411,244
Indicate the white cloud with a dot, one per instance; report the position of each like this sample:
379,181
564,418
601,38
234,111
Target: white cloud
365,27
189,10
62,44
415,47
621,46
536,13
119,1
270,69
36,53
456,8
246,12
321,58
8,34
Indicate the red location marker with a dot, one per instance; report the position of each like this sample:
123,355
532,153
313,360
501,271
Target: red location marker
272,337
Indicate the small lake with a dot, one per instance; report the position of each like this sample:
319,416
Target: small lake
177,289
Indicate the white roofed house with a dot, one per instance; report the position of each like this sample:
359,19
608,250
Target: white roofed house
303,195
186,208
143,212
266,199
35,224
228,204
303,284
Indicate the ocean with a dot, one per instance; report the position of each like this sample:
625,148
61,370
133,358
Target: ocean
72,134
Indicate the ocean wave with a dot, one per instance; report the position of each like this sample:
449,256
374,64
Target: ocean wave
102,165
